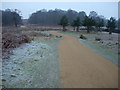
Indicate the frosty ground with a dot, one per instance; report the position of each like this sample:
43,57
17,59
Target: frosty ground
37,64
34,64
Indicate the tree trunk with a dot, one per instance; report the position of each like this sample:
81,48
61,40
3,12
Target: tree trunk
63,28
15,20
100,29
77,28
15,24
96,29
74,28
88,29
110,31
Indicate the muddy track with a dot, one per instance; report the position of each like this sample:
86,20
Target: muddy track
83,68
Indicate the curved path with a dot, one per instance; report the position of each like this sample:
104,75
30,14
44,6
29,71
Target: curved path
83,68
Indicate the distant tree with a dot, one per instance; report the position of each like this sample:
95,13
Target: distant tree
99,24
64,22
93,14
52,17
111,24
77,23
10,17
88,22
71,15
82,15
16,17
118,23
73,24
99,19
0,18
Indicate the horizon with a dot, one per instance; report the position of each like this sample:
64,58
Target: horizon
106,9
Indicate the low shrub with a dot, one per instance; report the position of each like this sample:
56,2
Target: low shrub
10,40
97,39
82,37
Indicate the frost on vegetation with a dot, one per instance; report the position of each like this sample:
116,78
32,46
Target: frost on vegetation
102,43
103,51
32,65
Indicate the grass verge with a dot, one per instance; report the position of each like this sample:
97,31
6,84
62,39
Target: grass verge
108,51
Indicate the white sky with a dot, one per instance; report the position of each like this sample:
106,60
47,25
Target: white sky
107,9
60,0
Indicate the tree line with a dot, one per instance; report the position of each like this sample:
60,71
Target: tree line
89,22
62,17
72,18
52,17
11,17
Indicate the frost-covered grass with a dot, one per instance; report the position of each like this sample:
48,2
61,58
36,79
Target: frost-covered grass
108,53
107,47
33,65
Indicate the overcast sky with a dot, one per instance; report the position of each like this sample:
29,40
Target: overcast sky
107,9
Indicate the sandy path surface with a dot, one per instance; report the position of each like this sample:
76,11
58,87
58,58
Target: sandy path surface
83,68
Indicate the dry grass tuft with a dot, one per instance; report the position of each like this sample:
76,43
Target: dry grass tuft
12,38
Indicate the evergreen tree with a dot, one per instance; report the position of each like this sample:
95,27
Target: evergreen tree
111,25
88,22
99,24
77,23
64,22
